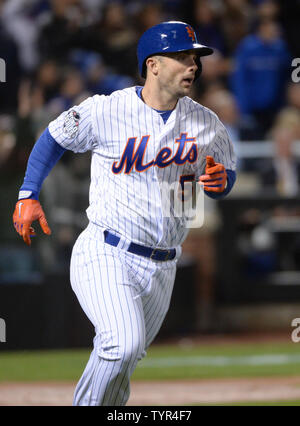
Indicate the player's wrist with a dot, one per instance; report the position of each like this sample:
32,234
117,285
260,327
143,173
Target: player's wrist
28,194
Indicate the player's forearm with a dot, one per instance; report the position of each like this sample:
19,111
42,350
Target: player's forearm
44,155
231,178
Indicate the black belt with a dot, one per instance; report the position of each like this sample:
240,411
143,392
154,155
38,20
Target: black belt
153,253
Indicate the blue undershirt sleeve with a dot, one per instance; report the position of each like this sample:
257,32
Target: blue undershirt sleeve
44,155
231,178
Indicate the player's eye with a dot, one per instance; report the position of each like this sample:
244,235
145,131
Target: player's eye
185,57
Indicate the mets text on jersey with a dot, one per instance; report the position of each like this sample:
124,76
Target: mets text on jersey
134,158
180,198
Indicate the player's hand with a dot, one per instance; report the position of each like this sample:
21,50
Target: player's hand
215,177
26,211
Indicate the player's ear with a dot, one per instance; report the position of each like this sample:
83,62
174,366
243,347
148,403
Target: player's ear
152,64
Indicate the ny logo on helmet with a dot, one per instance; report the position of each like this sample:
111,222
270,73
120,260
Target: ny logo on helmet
191,33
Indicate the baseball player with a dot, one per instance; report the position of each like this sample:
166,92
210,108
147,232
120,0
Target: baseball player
123,264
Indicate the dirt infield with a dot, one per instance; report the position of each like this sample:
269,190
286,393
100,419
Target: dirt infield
170,393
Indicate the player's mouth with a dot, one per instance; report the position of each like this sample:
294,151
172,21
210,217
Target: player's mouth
188,81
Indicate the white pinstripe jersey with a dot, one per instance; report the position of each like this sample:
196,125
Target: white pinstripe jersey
134,152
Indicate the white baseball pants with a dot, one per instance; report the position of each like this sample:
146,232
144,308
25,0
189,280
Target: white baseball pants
126,297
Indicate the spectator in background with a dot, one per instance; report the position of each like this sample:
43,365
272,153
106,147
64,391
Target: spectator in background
223,103
92,10
72,91
10,175
58,33
267,10
289,17
46,81
70,177
9,52
21,20
114,37
283,172
7,144
65,196
99,78
287,169
236,20
262,68
35,94
206,20
148,15
27,122
293,95
215,69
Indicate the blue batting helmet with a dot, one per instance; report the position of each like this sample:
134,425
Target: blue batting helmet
167,37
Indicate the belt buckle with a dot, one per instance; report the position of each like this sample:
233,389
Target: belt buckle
162,250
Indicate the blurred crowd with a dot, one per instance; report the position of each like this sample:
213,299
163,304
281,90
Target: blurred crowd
58,52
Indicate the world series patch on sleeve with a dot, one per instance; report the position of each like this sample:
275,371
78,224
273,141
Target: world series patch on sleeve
71,124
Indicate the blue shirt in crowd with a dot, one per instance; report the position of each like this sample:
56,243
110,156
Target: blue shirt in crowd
261,73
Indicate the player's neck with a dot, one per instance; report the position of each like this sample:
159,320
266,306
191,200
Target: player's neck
157,99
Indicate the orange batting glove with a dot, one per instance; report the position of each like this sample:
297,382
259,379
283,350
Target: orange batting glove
215,177
26,211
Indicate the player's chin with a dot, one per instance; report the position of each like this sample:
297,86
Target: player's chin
184,91
186,86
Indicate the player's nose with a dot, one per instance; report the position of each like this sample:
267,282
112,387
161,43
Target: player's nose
192,65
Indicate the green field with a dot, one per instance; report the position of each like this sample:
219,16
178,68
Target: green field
166,362
162,362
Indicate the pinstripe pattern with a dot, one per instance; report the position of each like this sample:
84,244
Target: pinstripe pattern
106,123
126,296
